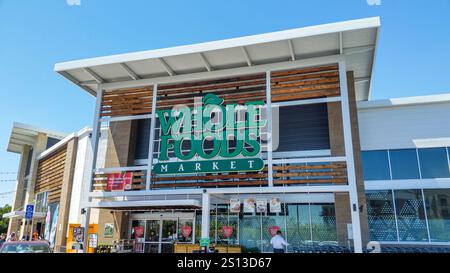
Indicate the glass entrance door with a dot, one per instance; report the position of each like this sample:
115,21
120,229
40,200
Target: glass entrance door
157,234
168,235
152,236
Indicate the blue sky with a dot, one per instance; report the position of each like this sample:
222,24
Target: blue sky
413,56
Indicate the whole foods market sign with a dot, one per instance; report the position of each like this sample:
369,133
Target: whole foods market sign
210,137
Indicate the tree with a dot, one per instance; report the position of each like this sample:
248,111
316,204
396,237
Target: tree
4,221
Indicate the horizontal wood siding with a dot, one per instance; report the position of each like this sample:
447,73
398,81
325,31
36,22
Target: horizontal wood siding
305,83
212,180
296,174
127,102
232,90
50,174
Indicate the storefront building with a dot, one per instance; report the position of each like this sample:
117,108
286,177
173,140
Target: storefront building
222,169
51,177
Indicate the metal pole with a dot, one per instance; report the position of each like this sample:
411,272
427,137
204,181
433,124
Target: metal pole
205,214
269,129
152,138
91,168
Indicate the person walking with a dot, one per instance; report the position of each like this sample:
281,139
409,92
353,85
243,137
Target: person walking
278,243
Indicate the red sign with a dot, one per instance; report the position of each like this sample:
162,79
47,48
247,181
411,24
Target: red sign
119,181
186,231
273,230
138,231
227,231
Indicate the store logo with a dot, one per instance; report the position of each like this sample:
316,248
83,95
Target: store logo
211,137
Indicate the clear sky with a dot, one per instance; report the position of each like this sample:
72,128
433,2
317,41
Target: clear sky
413,55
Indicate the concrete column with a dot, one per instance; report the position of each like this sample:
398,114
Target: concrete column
66,193
39,146
18,202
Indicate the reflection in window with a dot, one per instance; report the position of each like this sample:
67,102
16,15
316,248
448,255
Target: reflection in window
298,226
404,164
434,163
410,215
376,165
381,216
323,223
438,213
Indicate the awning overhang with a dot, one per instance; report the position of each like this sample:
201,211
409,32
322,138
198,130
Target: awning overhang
125,205
356,39
21,215
24,134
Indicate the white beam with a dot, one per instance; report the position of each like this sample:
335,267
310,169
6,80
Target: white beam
151,142
341,43
87,185
249,190
291,50
167,67
94,75
205,62
130,71
351,172
246,56
269,129
205,214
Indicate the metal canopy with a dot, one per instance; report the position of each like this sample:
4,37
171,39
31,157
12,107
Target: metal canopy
23,134
357,39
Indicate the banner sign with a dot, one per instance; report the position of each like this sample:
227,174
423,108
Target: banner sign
119,181
210,138
78,234
227,231
261,205
53,227
249,205
186,231
93,240
235,205
275,205
108,232
138,231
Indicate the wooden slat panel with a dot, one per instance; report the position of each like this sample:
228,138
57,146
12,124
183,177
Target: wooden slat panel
50,174
306,83
127,102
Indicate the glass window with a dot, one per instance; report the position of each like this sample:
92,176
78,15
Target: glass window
323,223
41,202
434,163
298,228
250,234
410,215
404,164
438,213
376,165
269,222
381,216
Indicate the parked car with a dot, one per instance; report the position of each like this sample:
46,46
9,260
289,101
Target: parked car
25,247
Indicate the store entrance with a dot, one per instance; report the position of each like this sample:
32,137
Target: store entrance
159,233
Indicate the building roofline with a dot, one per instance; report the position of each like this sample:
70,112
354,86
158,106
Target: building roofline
405,101
372,22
